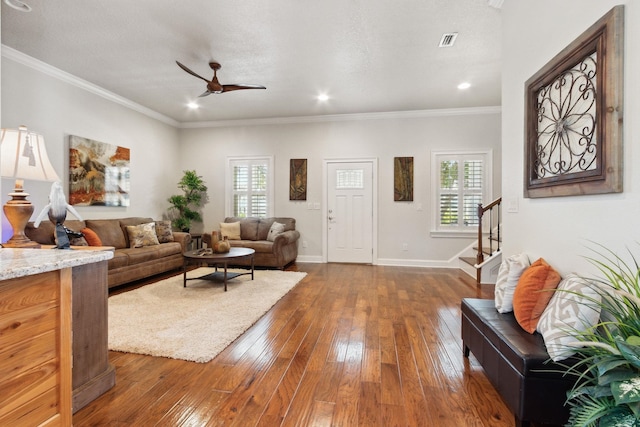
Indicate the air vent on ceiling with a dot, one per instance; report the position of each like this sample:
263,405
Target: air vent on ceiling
448,39
496,3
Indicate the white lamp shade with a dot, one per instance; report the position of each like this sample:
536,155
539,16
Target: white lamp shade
24,156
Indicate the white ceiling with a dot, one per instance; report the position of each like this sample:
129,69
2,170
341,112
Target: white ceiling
367,55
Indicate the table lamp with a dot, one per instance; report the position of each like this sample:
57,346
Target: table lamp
23,156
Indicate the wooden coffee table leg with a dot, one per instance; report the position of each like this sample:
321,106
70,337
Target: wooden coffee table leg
252,259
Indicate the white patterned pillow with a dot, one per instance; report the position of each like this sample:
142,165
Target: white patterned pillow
276,228
574,308
142,235
510,271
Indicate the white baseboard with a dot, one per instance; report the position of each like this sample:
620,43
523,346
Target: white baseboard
415,263
316,259
391,262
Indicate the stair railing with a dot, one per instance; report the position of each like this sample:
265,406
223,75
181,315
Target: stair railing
482,210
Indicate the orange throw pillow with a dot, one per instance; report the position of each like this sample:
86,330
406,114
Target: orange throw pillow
533,292
91,237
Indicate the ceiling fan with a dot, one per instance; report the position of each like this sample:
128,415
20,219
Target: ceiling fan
213,86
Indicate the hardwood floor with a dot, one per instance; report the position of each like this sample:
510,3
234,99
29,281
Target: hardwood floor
351,345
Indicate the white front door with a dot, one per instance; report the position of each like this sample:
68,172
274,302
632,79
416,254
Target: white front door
350,212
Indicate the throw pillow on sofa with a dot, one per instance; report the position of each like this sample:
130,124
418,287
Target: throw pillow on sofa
78,241
574,308
276,228
164,232
142,235
91,237
510,271
533,292
231,230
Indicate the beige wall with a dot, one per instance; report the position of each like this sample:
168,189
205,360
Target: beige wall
160,152
559,229
56,109
383,138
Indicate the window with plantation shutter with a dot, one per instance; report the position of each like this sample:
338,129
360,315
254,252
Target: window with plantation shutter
462,181
249,191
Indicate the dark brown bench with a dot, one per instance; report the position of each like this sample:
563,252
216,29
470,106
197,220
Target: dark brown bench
516,363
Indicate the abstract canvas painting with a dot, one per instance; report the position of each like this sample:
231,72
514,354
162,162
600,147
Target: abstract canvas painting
98,173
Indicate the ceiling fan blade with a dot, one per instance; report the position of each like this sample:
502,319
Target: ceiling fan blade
205,94
229,88
191,72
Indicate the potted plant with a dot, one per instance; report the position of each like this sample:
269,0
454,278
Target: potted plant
185,207
607,392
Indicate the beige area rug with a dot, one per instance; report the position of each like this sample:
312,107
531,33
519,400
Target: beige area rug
197,322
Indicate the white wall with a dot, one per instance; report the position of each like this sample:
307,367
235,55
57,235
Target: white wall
560,229
160,152
56,109
381,138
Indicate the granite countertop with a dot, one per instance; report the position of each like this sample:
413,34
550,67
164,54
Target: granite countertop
26,262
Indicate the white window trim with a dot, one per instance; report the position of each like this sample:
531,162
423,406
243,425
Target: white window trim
228,204
436,230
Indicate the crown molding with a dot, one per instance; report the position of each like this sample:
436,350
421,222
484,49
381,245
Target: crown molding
346,117
26,60
36,64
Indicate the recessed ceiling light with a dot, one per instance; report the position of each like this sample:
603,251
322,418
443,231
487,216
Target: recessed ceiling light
193,105
464,85
323,97
18,5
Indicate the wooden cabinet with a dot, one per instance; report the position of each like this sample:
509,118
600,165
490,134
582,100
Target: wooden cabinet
35,349
92,372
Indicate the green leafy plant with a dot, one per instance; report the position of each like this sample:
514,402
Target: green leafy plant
185,207
607,392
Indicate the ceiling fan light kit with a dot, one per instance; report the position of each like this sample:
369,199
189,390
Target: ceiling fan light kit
213,85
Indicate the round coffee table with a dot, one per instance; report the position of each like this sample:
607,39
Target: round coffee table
208,257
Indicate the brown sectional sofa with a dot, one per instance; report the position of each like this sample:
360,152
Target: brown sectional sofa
128,264
253,234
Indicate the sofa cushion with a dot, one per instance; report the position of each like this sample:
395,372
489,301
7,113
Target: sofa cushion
134,220
45,233
276,228
109,231
533,292
230,230
91,237
138,255
249,228
257,245
168,249
264,226
142,235
164,231
78,241
119,260
574,308
289,223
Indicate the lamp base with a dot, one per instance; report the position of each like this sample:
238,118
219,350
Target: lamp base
18,213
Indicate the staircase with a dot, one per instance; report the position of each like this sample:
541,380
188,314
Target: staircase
483,258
